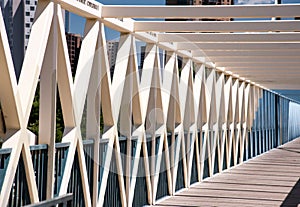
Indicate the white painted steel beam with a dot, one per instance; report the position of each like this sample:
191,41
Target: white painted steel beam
151,38
264,68
118,25
278,54
275,73
232,37
258,65
82,9
238,46
265,78
184,12
275,86
217,26
265,73
254,59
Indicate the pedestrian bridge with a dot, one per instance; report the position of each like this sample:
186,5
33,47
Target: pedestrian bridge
199,110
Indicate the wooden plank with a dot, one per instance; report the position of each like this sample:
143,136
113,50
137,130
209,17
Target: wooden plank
253,172
236,194
270,179
243,187
215,201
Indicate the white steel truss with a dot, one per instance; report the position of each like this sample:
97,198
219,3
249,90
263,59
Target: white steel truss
198,117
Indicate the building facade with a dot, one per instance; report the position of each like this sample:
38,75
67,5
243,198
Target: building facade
13,15
214,2
179,2
74,45
201,2
112,50
30,7
18,17
142,56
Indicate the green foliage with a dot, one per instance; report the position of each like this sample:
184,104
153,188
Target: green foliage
59,121
83,122
101,123
179,71
2,127
33,124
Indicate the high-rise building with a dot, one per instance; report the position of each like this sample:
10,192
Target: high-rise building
214,2
201,2
74,44
143,53
112,50
18,17
179,2
30,7
7,13
13,15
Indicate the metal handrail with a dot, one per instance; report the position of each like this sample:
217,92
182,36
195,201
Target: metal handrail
64,199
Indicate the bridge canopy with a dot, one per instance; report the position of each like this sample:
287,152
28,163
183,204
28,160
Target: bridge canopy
258,45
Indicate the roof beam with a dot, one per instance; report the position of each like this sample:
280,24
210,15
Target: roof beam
185,12
273,54
276,75
118,25
258,70
290,80
151,38
274,86
266,77
82,9
254,59
229,37
258,65
280,40
217,26
253,70
238,46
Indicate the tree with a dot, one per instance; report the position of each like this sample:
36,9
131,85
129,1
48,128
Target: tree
33,124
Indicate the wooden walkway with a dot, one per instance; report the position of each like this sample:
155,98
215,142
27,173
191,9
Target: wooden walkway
271,179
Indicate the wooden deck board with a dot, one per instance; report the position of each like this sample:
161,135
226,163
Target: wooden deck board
271,179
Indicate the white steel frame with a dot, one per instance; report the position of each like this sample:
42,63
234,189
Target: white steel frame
205,97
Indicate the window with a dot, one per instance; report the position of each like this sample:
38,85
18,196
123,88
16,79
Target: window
27,13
